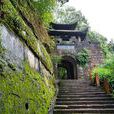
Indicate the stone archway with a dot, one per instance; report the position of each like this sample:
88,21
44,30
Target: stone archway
69,63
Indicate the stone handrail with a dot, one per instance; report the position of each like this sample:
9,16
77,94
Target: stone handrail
50,111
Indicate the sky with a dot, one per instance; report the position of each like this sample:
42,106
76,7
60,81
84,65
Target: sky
99,13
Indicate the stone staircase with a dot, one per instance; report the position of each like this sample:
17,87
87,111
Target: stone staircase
80,97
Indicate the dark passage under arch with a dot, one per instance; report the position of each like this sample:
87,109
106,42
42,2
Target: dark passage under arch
69,64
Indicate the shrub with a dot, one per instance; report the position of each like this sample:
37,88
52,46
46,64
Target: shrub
82,57
102,72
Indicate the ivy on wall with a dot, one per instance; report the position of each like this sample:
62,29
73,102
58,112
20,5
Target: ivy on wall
82,57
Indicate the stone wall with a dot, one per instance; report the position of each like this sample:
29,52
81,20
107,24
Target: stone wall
16,51
95,57
96,54
26,69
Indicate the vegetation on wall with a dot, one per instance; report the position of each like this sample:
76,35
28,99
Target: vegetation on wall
45,9
82,57
105,70
56,59
15,23
24,92
33,19
111,46
96,37
62,73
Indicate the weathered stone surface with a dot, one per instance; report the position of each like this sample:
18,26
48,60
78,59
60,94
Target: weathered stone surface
17,52
14,48
95,54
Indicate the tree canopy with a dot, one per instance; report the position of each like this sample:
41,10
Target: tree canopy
45,9
68,14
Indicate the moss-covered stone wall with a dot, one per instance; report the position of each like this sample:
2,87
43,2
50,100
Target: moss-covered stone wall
15,22
25,90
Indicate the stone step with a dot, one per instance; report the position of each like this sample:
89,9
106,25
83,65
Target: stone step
80,88
85,102
78,106
73,80
81,93
81,96
78,91
76,85
83,110
72,84
76,82
77,88
83,99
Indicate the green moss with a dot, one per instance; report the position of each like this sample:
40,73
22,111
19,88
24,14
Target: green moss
15,23
33,19
24,92
24,87
21,88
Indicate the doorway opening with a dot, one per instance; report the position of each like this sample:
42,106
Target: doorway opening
67,69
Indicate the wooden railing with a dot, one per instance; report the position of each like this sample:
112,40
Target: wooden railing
105,83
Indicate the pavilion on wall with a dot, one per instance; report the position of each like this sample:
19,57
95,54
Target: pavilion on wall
65,32
72,41
67,38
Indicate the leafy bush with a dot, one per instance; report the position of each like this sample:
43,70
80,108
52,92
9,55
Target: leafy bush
82,57
44,8
56,59
102,72
109,62
62,73
106,70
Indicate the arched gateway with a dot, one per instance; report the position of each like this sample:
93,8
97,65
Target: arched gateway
68,41
69,63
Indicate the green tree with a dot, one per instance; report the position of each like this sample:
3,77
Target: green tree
111,46
68,14
82,57
44,8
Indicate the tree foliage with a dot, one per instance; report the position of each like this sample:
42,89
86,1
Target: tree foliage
62,73
44,8
82,57
68,14
111,46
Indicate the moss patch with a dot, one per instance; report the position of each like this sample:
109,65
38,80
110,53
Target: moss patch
33,19
14,22
24,92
